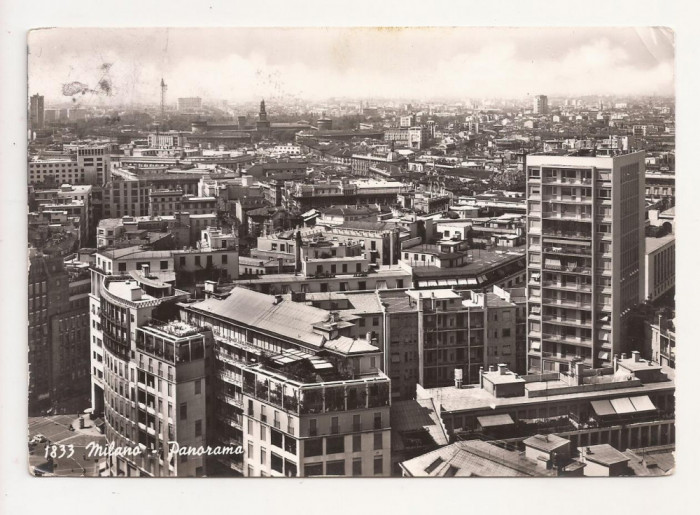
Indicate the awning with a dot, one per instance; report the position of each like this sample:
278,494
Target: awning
442,282
622,405
603,408
536,309
642,403
471,280
535,345
462,281
452,282
432,283
495,420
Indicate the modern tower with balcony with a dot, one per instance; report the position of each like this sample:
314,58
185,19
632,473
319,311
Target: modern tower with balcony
585,257
152,383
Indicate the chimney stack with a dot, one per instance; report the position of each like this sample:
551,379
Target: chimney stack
502,369
635,356
458,378
481,377
146,269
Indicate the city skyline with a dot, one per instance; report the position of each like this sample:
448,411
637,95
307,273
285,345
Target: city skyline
109,67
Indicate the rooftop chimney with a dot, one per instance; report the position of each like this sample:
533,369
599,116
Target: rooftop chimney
146,269
635,356
492,368
624,356
502,369
458,378
481,377
278,299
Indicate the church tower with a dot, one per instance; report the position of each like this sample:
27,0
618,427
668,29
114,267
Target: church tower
263,124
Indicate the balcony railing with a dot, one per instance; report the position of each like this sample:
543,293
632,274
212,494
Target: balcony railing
585,270
573,340
577,251
566,180
572,287
567,303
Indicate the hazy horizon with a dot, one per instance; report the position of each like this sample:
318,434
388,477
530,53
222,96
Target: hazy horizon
110,67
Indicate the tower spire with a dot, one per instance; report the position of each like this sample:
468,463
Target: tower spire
163,89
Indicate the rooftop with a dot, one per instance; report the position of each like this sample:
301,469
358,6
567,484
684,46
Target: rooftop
473,398
546,443
654,244
474,458
604,454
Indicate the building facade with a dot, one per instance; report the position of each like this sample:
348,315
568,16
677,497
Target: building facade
585,256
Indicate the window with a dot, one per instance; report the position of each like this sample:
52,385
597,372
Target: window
276,438
313,469
356,423
250,427
183,261
335,468
378,441
313,447
198,261
122,267
290,445
224,259
335,444
290,469
356,443
378,465
197,428
251,453
262,432
334,425
506,333
313,430
263,456
276,462
183,411
357,467
377,421
198,386
163,265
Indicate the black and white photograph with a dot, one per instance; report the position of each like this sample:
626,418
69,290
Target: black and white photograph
312,256
270,252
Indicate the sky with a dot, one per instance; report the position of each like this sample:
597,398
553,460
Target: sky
124,66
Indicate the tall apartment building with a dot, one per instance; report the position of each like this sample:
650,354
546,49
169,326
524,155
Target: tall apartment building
154,383
88,164
585,256
170,139
318,426
59,369
36,112
540,104
428,335
296,387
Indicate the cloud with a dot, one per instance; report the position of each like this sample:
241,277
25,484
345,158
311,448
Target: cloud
247,64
